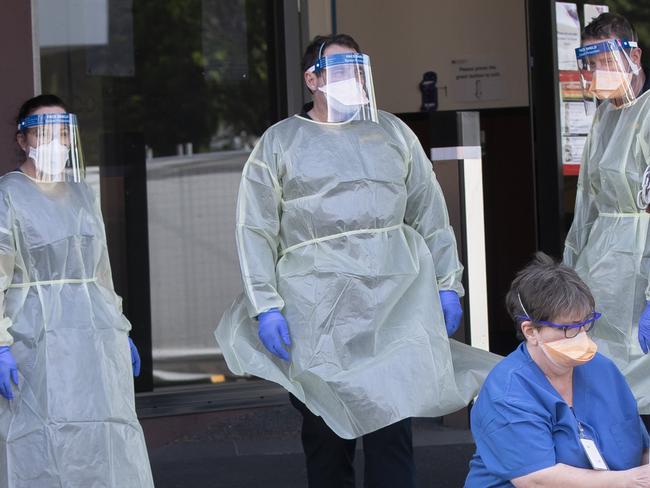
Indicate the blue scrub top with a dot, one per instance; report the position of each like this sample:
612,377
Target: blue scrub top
521,424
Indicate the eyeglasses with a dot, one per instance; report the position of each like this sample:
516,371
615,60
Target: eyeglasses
570,330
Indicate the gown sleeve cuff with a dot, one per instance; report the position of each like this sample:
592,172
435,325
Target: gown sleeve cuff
452,282
5,337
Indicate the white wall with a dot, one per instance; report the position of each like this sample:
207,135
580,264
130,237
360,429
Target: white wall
408,37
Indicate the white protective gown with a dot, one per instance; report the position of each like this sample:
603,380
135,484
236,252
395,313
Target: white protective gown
344,228
72,422
608,242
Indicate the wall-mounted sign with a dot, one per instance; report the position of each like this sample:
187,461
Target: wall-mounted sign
476,81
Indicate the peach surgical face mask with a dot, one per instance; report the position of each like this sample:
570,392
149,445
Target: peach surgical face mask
571,352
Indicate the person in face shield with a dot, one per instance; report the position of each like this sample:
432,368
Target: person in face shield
67,413
555,412
351,276
608,243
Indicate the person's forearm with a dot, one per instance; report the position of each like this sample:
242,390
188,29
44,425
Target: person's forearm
571,477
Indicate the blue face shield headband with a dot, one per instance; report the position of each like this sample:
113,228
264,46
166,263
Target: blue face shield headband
46,119
619,49
607,46
345,59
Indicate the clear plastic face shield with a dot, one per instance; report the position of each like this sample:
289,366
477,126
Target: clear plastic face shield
607,71
53,147
345,80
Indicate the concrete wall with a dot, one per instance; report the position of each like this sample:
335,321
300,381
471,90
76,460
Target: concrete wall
17,80
406,38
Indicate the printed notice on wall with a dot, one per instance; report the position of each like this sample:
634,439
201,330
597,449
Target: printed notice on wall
568,34
576,116
476,81
572,147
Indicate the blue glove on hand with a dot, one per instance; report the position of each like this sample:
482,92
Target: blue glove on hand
8,370
451,309
644,329
135,358
273,331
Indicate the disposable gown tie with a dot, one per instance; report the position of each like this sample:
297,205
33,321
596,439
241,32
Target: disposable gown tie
344,228
72,421
608,243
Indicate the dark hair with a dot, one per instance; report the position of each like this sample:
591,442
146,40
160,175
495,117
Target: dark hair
609,25
547,290
320,43
37,102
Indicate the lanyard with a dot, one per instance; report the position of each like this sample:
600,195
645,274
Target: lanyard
589,447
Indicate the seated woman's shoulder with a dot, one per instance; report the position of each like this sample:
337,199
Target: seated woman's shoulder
601,364
514,364
602,361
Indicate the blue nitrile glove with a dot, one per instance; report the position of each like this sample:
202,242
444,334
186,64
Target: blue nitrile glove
451,309
644,328
135,358
273,331
8,371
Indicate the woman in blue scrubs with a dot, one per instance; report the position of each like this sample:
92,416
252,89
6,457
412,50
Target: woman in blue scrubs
555,412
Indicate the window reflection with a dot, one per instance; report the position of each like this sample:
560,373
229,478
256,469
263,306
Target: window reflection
193,77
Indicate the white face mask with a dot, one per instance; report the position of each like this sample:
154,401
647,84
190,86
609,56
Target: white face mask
51,158
344,96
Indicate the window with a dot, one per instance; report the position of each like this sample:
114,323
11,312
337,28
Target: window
171,96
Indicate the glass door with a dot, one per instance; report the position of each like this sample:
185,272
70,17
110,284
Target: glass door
171,96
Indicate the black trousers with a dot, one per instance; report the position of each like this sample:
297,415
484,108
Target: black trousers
388,454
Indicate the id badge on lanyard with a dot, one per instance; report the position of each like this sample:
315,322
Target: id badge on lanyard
591,450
